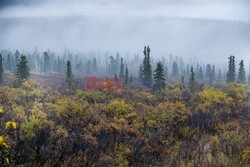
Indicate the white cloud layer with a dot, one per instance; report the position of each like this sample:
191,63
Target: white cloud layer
213,9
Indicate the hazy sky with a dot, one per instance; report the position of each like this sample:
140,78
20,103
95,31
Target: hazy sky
216,9
208,29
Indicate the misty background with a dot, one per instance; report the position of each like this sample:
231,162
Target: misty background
210,30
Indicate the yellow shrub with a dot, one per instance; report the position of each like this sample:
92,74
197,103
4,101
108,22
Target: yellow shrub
11,124
2,142
246,153
1,110
211,99
118,108
7,160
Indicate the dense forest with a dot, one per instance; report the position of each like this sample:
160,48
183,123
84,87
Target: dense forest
167,111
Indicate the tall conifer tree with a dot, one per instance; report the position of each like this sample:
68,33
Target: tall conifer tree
1,69
95,68
200,73
46,60
22,69
146,67
159,78
121,74
231,69
140,72
126,76
242,73
208,71
192,84
175,70
69,74
219,75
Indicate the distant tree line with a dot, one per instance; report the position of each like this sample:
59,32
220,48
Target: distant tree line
150,72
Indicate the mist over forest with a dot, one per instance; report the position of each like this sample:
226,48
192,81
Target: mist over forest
208,30
124,83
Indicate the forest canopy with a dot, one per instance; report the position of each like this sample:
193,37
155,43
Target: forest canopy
198,117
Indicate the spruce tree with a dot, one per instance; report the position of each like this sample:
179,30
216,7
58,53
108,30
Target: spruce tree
115,77
183,82
131,78
22,69
211,80
187,72
213,73
17,56
113,65
200,73
88,67
175,70
126,76
197,70
121,74
58,65
231,70
219,75
146,67
140,72
208,71
159,78
192,84
8,63
242,73
46,60
1,69
79,65
95,65
166,73
69,74
117,62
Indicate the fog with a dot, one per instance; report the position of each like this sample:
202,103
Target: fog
210,30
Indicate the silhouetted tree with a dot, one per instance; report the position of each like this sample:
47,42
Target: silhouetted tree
88,67
242,73
175,70
117,62
146,67
187,72
1,69
131,78
112,65
166,73
219,75
22,69
126,76
17,56
121,74
95,68
8,63
46,60
211,79
231,70
208,71
183,82
140,72
192,84
79,65
159,78
69,74
200,73
213,73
